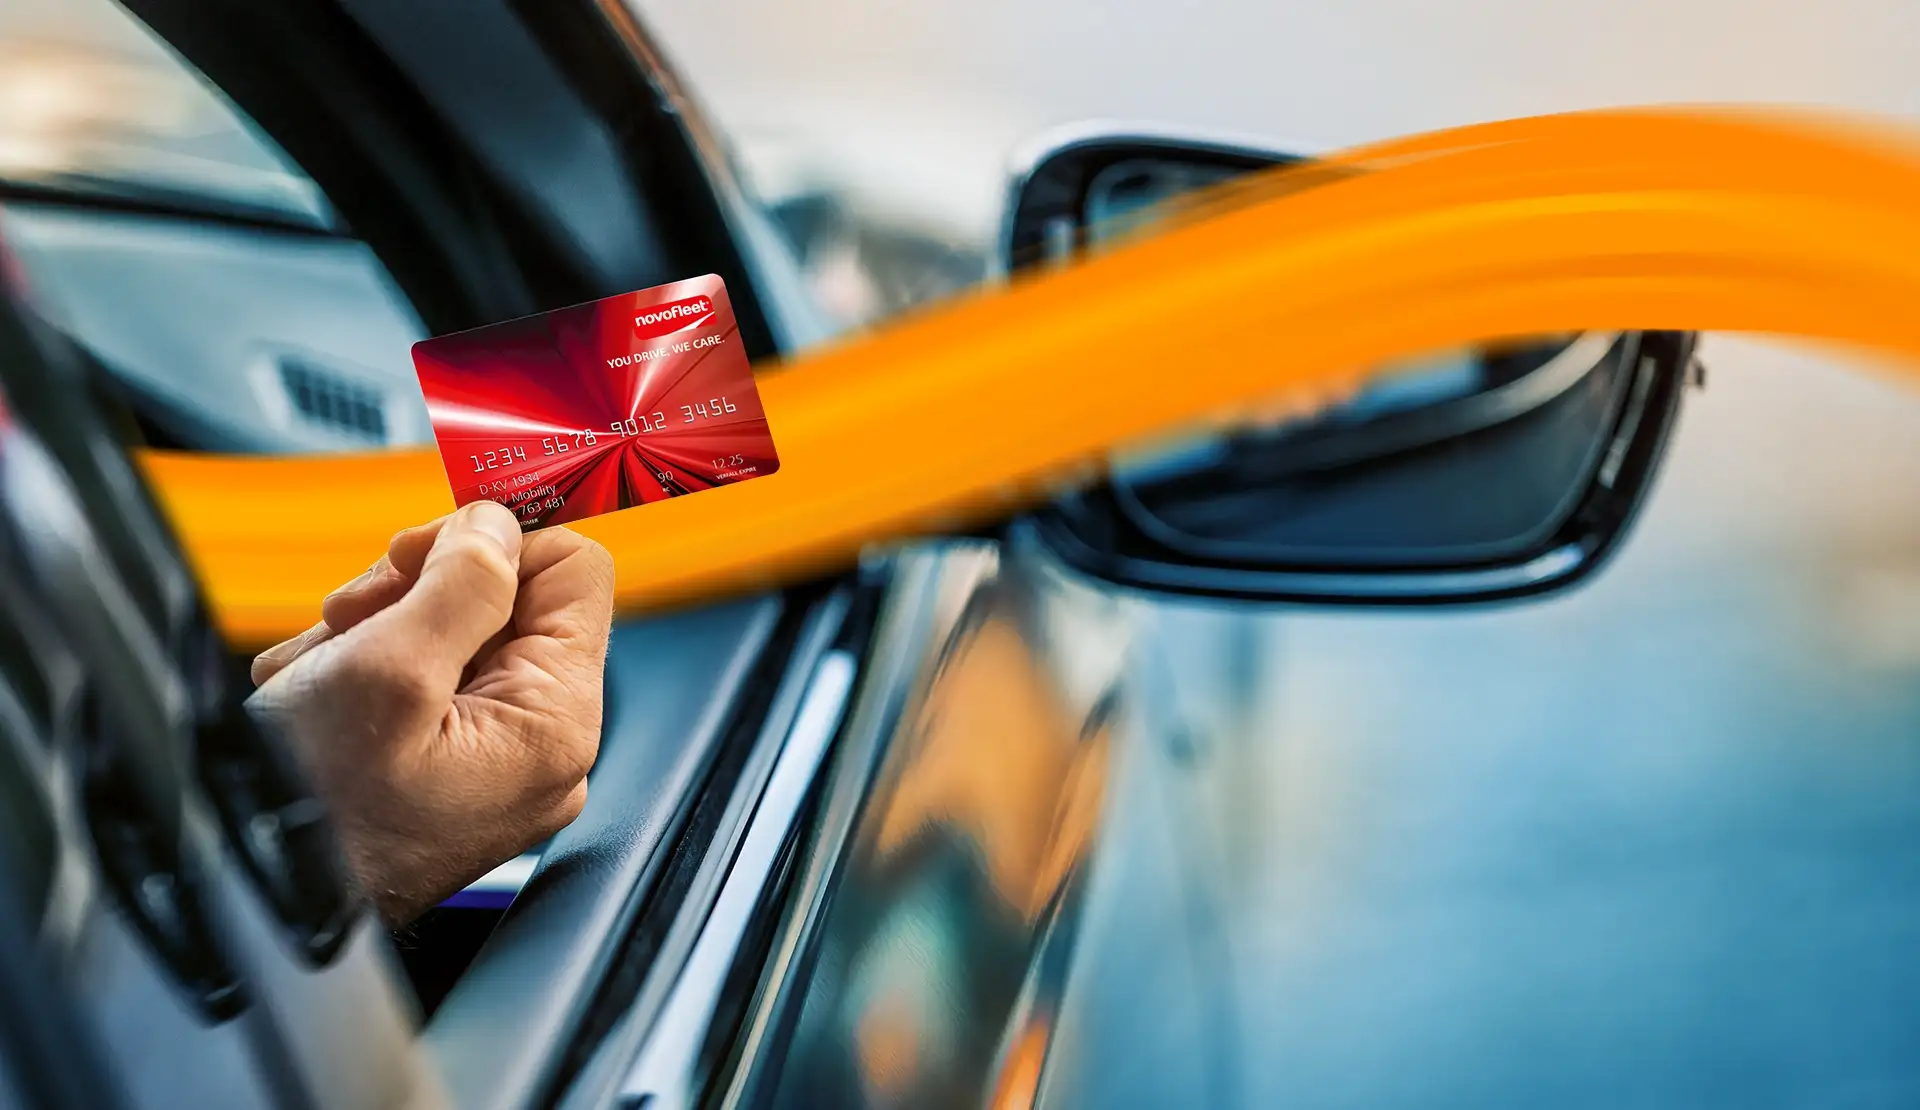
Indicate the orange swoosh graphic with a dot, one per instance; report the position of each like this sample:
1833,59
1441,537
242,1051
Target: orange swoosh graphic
1783,223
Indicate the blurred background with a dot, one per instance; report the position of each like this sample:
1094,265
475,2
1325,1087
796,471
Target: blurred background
1653,837
884,134
910,115
1679,804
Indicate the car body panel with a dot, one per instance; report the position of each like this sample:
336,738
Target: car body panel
980,750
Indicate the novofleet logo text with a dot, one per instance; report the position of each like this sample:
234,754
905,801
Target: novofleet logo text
652,323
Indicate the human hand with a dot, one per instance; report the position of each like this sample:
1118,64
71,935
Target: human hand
448,703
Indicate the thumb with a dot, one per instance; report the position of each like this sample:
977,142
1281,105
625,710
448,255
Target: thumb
464,595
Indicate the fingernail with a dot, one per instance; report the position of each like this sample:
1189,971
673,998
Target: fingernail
490,518
282,654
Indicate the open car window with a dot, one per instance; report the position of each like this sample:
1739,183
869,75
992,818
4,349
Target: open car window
206,277
95,105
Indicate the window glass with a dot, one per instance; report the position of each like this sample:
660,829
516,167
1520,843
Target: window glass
202,271
89,100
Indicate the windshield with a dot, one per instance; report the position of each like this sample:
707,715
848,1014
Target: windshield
91,103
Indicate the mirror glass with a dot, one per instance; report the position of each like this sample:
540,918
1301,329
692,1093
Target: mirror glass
1471,457
1461,458
1126,195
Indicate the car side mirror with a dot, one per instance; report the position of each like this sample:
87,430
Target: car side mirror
1468,476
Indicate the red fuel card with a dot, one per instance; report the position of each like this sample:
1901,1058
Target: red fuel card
598,407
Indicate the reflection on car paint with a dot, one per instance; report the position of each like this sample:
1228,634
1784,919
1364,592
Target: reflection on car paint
944,948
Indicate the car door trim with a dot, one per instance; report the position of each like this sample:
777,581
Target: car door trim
920,579
602,1064
665,1068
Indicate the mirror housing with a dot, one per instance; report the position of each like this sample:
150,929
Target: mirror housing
1477,476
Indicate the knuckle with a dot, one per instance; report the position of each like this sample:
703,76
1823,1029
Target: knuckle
569,809
482,576
575,755
412,685
406,537
338,606
590,556
558,749
599,563
595,584
477,558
